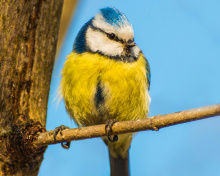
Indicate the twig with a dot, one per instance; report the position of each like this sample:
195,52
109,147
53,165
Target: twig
150,123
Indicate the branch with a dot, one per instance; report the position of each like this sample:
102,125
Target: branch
150,123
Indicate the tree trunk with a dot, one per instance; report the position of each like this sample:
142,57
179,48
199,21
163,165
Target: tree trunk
28,37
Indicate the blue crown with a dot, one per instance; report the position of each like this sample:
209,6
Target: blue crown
114,17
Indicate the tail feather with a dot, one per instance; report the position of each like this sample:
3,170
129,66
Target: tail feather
119,166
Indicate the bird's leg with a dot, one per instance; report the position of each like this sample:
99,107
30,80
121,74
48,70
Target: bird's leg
60,129
108,129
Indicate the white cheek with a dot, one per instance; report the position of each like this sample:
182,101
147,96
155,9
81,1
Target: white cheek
135,51
98,41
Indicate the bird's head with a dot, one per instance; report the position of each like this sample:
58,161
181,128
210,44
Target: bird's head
108,33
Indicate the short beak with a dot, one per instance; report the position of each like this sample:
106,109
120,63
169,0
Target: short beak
130,45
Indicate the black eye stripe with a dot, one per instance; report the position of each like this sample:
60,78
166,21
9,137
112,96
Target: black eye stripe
112,36
108,35
97,29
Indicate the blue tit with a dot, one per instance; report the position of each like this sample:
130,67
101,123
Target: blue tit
105,77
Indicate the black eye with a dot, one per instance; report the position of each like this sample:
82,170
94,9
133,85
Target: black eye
111,36
130,41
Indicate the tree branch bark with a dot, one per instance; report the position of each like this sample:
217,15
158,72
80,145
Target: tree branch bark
150,123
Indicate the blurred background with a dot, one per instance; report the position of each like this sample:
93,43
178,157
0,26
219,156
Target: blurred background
181,40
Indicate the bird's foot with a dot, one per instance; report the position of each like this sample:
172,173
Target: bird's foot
108,129
60,129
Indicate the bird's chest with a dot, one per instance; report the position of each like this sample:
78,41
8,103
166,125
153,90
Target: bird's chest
101,88
121,94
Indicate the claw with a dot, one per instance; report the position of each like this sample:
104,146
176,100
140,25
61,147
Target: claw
66,145
60,129
108,129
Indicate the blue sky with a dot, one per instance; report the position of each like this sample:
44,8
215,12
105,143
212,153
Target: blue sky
181,40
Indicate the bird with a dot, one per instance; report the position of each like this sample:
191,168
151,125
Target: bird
106,79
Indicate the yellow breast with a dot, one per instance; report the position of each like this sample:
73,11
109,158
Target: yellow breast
96,88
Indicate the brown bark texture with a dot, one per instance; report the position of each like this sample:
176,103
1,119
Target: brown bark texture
28,37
